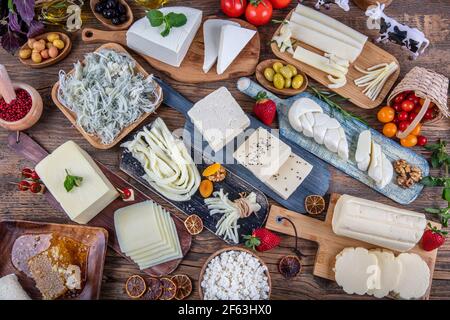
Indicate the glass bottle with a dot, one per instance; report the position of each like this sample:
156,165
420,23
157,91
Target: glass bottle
151,4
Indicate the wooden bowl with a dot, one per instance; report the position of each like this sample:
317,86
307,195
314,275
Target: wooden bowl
215,254
50,61
32,116
269,86
107,23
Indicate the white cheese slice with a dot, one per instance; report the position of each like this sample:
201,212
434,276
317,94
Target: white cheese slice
388,172
343,148
377,223
147,40
364,150
356,270
290,176
331,140
219,118
390,270
320,128
95,192
212,29
415,277
317,61
376,163
233,40
307,125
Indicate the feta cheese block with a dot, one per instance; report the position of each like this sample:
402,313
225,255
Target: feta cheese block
263,154
290,176
414,278
212,29
377,223
147,40
233,40
219,118
390,270
364,150
95,192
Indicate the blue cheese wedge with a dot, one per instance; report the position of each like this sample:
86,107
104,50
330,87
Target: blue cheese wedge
147,40
84,202
219,118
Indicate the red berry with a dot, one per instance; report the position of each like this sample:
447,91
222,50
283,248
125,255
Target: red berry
262,240
412,116
396,121
399,98
27,172
397,107
407,105
35,187
429,114
126,193
415,99
433,238
421,140
403,125
35,176
403,116
23,185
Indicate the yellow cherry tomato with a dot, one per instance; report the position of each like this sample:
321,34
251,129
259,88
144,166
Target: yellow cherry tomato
417,130
409,141
386,114
389,129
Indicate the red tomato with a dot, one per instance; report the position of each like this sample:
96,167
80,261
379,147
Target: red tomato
399,98
403,125
397,107
280,4
259,12
417,109
429,115
403,116
407,105
415,99
421,140
233,8
412,116
396,121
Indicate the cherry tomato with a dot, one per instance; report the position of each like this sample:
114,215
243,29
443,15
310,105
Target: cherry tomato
403,116
280,4
409,141
403,125
399,98
407,105
259,12
416,130
412,116
421,140
417,109
386,114
23,185
389,129
415,99
429,115
233,8
26,172
397,107
35,187
396,121
35,176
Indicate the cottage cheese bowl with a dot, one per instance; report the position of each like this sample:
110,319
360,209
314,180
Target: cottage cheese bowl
234,274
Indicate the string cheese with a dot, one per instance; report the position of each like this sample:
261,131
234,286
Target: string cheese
317,61
332,23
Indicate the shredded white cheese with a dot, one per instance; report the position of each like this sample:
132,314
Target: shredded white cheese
374,79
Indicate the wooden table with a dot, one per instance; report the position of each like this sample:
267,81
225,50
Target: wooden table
54,129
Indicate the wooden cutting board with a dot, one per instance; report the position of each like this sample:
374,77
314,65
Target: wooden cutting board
371,55
191,69
330,244
32,151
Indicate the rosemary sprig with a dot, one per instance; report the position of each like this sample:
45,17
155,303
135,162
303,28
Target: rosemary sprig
327,96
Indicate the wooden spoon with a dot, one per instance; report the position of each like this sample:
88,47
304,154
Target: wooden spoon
107,22
50,61
269,85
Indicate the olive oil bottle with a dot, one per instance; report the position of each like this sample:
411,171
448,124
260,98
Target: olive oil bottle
64,13
151,4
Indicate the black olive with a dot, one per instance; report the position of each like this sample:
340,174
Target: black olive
116,21
108,13
123,18
111,4
121,8
99,7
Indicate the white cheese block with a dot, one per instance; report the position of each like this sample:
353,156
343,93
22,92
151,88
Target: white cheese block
290,176
415,277
377,223
212,29
317,61
233,40
95,192
262,153
364,150
147,40
390,270
330,22
219,118
356,270
376,163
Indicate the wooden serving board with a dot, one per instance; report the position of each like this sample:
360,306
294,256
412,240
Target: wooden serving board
232,184
352,128
317,181
31,150
92,139
371,55
330,244
94,238
191,69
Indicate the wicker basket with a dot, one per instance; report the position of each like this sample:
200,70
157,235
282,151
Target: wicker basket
428,85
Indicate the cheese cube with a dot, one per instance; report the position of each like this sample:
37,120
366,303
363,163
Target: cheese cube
95,192
219,118
147,40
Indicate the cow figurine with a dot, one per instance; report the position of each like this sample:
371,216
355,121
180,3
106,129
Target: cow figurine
326,3
411,39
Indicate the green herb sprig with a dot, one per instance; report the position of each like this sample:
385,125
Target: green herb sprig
71,181
170,20
439,159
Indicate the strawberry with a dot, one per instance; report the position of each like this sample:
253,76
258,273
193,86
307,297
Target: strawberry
262,240
433,238
265,109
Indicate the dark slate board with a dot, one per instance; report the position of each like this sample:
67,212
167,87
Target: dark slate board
317,181
233,185
352,128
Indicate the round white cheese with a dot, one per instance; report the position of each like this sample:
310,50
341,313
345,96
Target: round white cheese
390,271
415,276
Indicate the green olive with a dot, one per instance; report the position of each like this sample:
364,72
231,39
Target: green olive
287,82
277,66
278,81
269,73
293,69
286,72
297,81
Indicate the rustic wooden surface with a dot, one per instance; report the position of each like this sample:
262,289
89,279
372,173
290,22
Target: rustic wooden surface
54,129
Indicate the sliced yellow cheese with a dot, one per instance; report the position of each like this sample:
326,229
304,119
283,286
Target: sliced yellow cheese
317,61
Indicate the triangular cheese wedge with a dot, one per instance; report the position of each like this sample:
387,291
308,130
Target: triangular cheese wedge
212,29
232,40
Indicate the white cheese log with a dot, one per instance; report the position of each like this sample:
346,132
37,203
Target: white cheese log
317,61
377,223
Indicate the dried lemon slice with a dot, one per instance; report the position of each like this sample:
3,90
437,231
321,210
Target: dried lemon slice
184,286
314,204
289,266
169,289
212,169
193,224
155,289
135,286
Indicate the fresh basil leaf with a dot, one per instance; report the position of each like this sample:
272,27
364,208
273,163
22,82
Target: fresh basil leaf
428,181
432,147
166,30
155,17
434,162
446,194
68,184
25,9
176,19
433,210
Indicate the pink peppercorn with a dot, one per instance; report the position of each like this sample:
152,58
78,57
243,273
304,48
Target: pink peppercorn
18,108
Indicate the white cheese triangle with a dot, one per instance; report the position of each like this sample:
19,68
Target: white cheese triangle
232,40
363,150
390,271
415,277
211,38
388,172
